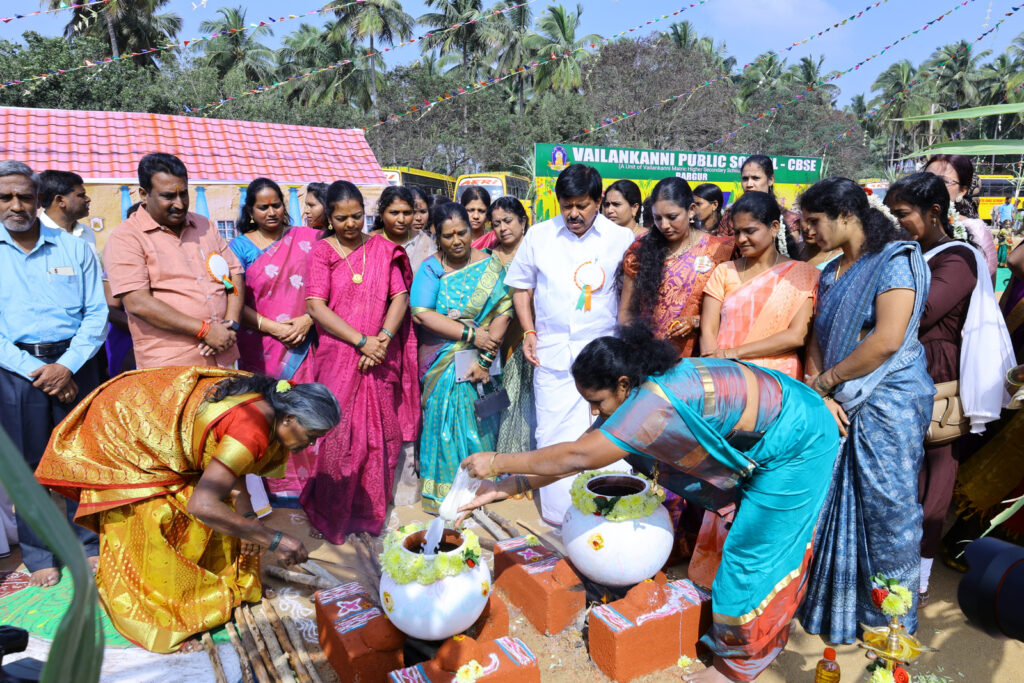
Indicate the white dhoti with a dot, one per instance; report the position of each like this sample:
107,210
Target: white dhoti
562,415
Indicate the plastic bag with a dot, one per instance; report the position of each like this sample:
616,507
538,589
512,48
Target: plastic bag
463,490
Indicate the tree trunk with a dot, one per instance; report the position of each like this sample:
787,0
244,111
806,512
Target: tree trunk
522,95
373,76
115,52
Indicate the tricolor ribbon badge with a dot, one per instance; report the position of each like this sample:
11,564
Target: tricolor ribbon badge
584,301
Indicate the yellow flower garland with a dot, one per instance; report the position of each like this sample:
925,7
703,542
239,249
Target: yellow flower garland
629,507
405,567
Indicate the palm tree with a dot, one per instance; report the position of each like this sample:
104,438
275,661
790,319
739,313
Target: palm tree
308,48
684,35
766,76
473,38
895,82
383,21
556,35
240,51
808,75
513,50
127,25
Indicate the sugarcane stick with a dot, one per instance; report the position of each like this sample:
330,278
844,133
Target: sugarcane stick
243,658
492,528
282,636
507,526
211,651
371,546
299,643
261,646
301,579
277,655
253,652
313,568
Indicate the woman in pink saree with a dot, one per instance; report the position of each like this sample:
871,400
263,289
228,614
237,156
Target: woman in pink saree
276,337
357,290
758,309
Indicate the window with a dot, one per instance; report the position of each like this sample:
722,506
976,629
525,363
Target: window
227,230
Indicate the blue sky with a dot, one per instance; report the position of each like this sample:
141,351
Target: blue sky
748,27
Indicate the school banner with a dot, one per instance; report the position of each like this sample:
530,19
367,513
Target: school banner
646,167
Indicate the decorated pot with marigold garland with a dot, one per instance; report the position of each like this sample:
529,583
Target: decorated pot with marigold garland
433,597
617,532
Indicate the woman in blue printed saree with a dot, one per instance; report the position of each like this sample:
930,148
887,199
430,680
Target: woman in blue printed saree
460,302
720,432
865,359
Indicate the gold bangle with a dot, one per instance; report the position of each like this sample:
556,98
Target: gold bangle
491,465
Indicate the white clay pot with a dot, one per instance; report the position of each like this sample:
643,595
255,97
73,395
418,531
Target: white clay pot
618,553
441,609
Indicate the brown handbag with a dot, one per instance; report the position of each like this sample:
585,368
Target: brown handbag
948,421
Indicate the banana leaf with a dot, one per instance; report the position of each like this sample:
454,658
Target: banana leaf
971,113
972,148
77,650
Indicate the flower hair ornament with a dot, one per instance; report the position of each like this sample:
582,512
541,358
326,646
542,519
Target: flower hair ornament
959,229
780,239
283,386
875,203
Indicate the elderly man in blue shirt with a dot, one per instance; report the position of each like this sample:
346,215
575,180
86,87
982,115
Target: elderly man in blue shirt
54,321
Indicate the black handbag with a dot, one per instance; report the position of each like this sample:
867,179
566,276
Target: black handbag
490,404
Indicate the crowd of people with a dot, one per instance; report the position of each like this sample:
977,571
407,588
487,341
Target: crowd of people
754,352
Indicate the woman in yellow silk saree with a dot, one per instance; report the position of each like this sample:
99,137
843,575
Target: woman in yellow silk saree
151,456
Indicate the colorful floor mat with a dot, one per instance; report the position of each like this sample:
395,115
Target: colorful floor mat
39,610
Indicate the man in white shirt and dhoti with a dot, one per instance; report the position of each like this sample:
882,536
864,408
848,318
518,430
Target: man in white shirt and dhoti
565,268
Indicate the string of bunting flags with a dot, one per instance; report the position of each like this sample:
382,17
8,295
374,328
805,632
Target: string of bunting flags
344,62
874,111
64,6
612,120
191,42
462,90
834,77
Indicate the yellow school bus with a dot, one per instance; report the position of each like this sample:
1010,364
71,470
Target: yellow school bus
497,184
993,191
426,181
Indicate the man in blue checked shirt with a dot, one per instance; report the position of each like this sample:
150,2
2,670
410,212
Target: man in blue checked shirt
53,320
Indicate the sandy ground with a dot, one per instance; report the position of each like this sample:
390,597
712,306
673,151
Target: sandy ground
965,653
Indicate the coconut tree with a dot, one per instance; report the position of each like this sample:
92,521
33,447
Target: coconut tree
895,84
127,25
513,51
808,75
383,22
556,35
239,51
472,39
308,48
765,77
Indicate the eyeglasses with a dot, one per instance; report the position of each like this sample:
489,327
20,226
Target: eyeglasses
949,181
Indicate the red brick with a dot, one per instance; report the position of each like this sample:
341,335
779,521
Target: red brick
649,629
505,660
361,644
493,622
538,582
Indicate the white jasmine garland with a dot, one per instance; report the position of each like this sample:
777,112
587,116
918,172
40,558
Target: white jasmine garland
875,203
959,230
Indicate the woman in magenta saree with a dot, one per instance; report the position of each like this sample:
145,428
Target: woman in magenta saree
276,336
357,290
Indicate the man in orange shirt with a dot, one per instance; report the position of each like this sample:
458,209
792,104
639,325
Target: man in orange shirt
180,283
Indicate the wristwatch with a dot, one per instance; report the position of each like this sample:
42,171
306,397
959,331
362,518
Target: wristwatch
232,325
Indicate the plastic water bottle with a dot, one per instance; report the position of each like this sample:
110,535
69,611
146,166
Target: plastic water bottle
827,670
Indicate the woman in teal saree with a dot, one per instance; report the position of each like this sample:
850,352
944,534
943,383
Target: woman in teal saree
460,303
721,432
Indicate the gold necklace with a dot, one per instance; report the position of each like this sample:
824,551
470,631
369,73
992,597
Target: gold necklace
688,247
357,278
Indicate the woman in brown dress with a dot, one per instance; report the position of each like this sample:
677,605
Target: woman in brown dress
920,203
